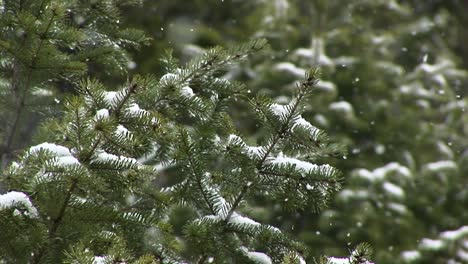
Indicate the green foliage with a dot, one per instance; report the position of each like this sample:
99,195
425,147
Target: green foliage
360,255
393,89
218,138
123,161
45,48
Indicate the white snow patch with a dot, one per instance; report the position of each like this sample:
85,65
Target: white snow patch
187,92
381,173
167,78
440,80
212,217
280,110
432,69
301,260
333,260
342,106
232,138
463,255
345,61
99,260
302,166
13,198
465,243
255,151
422,25
381,39
431,244
416,89
107,157
242,220
299,164
410,255
110,97
316,53
192,50
455,234
363,173
394,190
300,121
462,105
321,120
390,68
57,150
252,151
257,257
14,166
42,92
393,5
287,67
62,156
326,86
221,206
121,130
304,53
135,110
397,207
102,114
446,150
347,194
442,165
66,161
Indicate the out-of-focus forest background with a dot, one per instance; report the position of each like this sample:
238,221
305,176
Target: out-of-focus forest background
393,88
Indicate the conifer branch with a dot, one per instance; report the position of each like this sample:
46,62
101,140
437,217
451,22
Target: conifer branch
309,81
236,202
272,173
56,222
197,177
131,90
93,149
200,186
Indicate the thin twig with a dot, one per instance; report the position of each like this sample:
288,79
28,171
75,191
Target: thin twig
309,81
56,222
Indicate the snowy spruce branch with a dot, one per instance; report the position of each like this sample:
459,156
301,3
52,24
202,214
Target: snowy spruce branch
123,162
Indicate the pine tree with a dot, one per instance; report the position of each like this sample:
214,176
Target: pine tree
45,48
158,172
449,246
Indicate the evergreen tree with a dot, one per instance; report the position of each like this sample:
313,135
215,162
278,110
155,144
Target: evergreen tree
392,88
116,170
45,48
449,246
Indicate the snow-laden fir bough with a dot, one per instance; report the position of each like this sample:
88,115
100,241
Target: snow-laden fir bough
122,163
